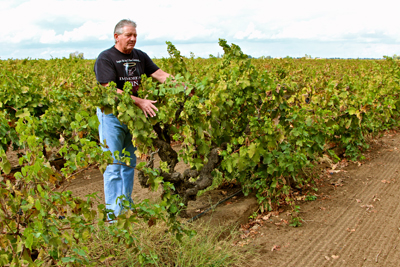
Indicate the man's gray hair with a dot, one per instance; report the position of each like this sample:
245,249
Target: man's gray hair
120,25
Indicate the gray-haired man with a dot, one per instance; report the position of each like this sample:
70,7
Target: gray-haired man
123,63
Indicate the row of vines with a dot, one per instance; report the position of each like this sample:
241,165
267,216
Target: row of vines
260,123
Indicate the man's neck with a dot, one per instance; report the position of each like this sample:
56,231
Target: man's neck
122,51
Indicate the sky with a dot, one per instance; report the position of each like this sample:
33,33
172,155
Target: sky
328,29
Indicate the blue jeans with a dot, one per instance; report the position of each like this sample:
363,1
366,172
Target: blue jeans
118,179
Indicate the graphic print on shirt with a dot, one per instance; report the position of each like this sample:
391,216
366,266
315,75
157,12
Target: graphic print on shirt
131,73
131,70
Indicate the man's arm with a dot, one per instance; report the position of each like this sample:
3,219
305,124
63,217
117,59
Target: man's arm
145,105
160,75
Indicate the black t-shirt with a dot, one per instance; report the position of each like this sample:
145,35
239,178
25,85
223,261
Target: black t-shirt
115,66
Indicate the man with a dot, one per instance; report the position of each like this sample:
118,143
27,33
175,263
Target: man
119,64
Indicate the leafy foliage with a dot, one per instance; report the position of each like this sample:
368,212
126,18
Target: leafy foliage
40,221
259,122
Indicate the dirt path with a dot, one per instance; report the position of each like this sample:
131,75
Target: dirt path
92,181
355,220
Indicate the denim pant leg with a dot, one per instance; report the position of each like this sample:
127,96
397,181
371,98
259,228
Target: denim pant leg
118,179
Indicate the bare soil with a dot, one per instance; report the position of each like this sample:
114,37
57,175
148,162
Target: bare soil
238,213
354,221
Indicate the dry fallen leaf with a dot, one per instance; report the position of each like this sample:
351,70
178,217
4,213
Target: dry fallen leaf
266,217
300,198
335,257
151,222
339,182
350,230
367,206
275,247
358,200
327,258
243,243
375,198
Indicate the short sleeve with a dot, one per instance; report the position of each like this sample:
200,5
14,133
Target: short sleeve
149,66
104,70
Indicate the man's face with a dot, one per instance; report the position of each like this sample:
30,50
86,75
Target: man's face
126,41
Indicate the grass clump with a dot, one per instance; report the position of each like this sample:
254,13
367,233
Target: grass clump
211,246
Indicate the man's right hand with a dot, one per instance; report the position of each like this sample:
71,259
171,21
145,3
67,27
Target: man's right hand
146,106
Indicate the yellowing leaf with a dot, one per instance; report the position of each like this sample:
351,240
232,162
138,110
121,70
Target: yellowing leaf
85,234
52,179
252,150
18,193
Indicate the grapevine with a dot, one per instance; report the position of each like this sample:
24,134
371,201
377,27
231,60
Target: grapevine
257,122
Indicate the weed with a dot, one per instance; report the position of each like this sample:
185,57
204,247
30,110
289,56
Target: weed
254,215
310,198
296,221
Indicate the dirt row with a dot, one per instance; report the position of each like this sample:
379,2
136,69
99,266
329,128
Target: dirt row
355,220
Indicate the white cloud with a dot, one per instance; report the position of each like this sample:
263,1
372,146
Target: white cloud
250,33
49,23
88,31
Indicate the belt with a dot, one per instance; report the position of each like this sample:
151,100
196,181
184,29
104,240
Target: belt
106,110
